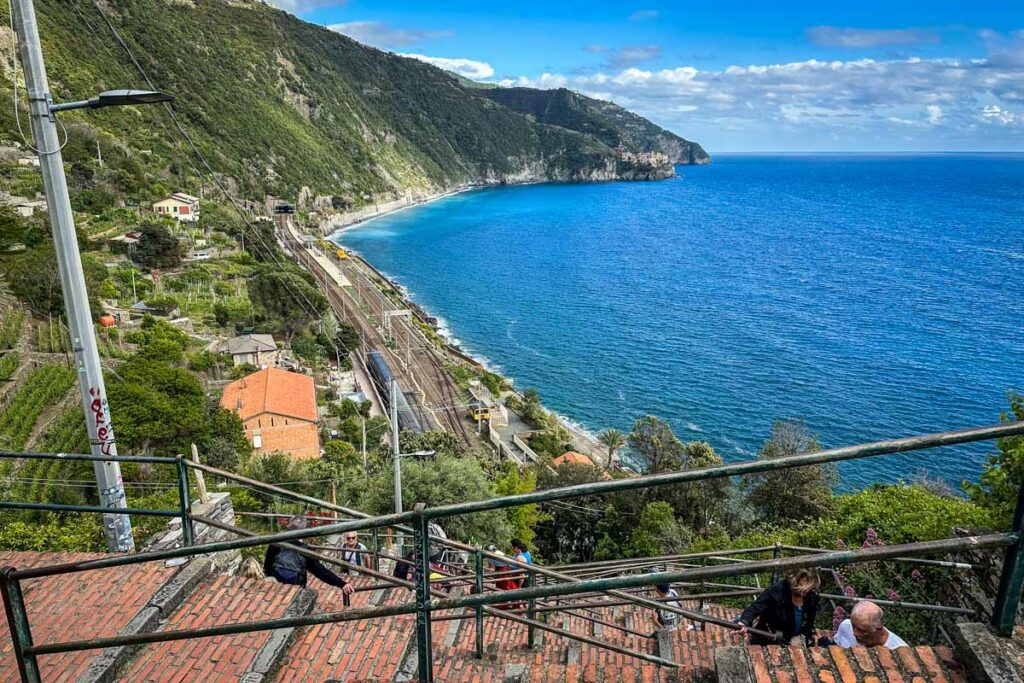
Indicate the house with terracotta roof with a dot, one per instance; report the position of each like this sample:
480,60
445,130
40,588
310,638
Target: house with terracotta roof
574,458
279,411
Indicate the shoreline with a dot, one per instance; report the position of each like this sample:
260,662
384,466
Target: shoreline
341,223
583,440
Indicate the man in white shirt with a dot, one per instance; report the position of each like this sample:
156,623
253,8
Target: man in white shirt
865,627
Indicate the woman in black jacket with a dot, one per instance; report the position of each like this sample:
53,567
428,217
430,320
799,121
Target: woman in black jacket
788,607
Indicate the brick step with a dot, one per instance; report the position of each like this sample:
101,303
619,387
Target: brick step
922,664
221,599
555,658
366,650
93,604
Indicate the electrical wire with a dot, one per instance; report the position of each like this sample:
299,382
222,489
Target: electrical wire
296,294
17,111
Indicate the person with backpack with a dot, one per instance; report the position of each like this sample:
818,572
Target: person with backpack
288,566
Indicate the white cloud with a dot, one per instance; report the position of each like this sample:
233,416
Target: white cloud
993,113
468,68
941,101
834,36
384,36
644,14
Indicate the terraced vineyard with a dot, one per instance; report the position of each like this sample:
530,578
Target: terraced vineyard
54,481
8,364
66,434
52,337
41,388
10,328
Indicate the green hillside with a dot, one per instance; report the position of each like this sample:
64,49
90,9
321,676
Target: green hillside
277,104
608,122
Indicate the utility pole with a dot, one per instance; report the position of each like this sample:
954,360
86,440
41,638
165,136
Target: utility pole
116,527
394,446
366,467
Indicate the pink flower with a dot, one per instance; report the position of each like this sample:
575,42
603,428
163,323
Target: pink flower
839,578
893,595
849,592
838,615
871,534
916,575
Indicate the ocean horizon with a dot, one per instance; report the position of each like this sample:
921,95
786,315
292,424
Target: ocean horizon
873,295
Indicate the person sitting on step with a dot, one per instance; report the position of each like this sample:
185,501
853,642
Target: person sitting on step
866,627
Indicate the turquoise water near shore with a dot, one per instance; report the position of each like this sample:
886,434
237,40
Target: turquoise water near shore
873,296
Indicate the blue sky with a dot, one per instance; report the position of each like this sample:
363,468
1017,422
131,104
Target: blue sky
737,76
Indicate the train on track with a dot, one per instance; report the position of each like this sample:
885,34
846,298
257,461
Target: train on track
380,375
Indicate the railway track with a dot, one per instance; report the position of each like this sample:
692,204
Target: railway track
441,397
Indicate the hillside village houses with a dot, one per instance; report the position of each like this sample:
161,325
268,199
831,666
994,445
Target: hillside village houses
278,409
182,207
24,206
253,349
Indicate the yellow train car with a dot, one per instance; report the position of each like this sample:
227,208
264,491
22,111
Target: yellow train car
341,254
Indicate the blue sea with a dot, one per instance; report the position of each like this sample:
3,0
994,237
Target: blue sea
873,296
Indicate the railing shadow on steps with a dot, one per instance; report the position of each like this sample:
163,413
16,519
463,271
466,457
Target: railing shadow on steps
427,600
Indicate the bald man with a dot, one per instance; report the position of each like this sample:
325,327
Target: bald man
865,627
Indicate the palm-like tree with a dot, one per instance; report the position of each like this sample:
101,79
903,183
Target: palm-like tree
613,440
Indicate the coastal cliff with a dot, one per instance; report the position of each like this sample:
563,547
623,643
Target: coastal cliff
608,122
282,107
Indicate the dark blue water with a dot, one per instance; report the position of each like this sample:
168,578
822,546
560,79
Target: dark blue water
873,296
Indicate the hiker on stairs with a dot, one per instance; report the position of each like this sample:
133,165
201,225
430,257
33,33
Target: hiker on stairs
288,566
788,607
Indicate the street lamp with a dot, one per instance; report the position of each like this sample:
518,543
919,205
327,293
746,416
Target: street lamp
99,426
115,98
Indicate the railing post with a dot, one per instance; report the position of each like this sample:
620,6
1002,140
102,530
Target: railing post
17,622
776,554
700,607
376,549
421,556
185,501
479,585
1004,613
531,613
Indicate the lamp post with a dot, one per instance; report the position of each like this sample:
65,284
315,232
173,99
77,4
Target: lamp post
117,527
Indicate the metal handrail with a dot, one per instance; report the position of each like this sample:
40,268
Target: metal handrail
998,540
184,511
1011,580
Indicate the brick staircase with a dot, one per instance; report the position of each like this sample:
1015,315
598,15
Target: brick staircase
152,597
75,607
219,599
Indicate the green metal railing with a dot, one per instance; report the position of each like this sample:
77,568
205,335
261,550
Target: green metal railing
429,601
184,511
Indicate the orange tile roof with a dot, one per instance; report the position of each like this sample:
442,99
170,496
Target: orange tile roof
272,390
573,458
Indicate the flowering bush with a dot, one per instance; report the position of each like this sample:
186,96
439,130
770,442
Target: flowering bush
898,582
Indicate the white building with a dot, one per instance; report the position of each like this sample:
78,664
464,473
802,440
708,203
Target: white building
182,207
